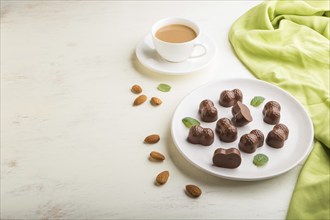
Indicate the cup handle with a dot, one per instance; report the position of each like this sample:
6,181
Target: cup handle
201,54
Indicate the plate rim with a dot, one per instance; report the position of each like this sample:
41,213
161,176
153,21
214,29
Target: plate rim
254,80
183,72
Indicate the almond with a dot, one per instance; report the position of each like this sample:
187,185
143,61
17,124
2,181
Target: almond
136,89
193,191
140,99
155,101
162,177
157,156
152,139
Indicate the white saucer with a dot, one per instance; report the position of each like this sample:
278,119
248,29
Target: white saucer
148,57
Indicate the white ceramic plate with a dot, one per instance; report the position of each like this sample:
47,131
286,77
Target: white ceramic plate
295,149
148,57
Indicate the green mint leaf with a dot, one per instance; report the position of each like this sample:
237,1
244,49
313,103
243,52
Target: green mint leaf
260,160
189,122
164,87
257,100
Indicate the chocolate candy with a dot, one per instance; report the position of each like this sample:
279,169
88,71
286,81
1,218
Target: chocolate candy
227,158
229,98
241,114
272,113
250,142
207,111
277,136
226,130
200,135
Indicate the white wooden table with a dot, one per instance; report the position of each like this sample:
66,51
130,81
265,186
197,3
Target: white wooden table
71,142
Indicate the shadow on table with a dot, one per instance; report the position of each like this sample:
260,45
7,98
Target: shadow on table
141,69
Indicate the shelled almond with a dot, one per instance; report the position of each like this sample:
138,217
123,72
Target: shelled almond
152,139
155,101
157,156
193,190
136,89
162,177
139,100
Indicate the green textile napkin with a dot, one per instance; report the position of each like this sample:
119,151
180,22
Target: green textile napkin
287,43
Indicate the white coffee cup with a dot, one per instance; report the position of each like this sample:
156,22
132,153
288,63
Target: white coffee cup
177,52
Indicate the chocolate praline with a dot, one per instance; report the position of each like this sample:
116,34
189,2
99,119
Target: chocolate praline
200,135
226,131
208,111
229,98
227,158
250,142
277,136
272,112
241,114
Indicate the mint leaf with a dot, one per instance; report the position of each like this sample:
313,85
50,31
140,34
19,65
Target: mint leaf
257,100
164,87
260,160
189,122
